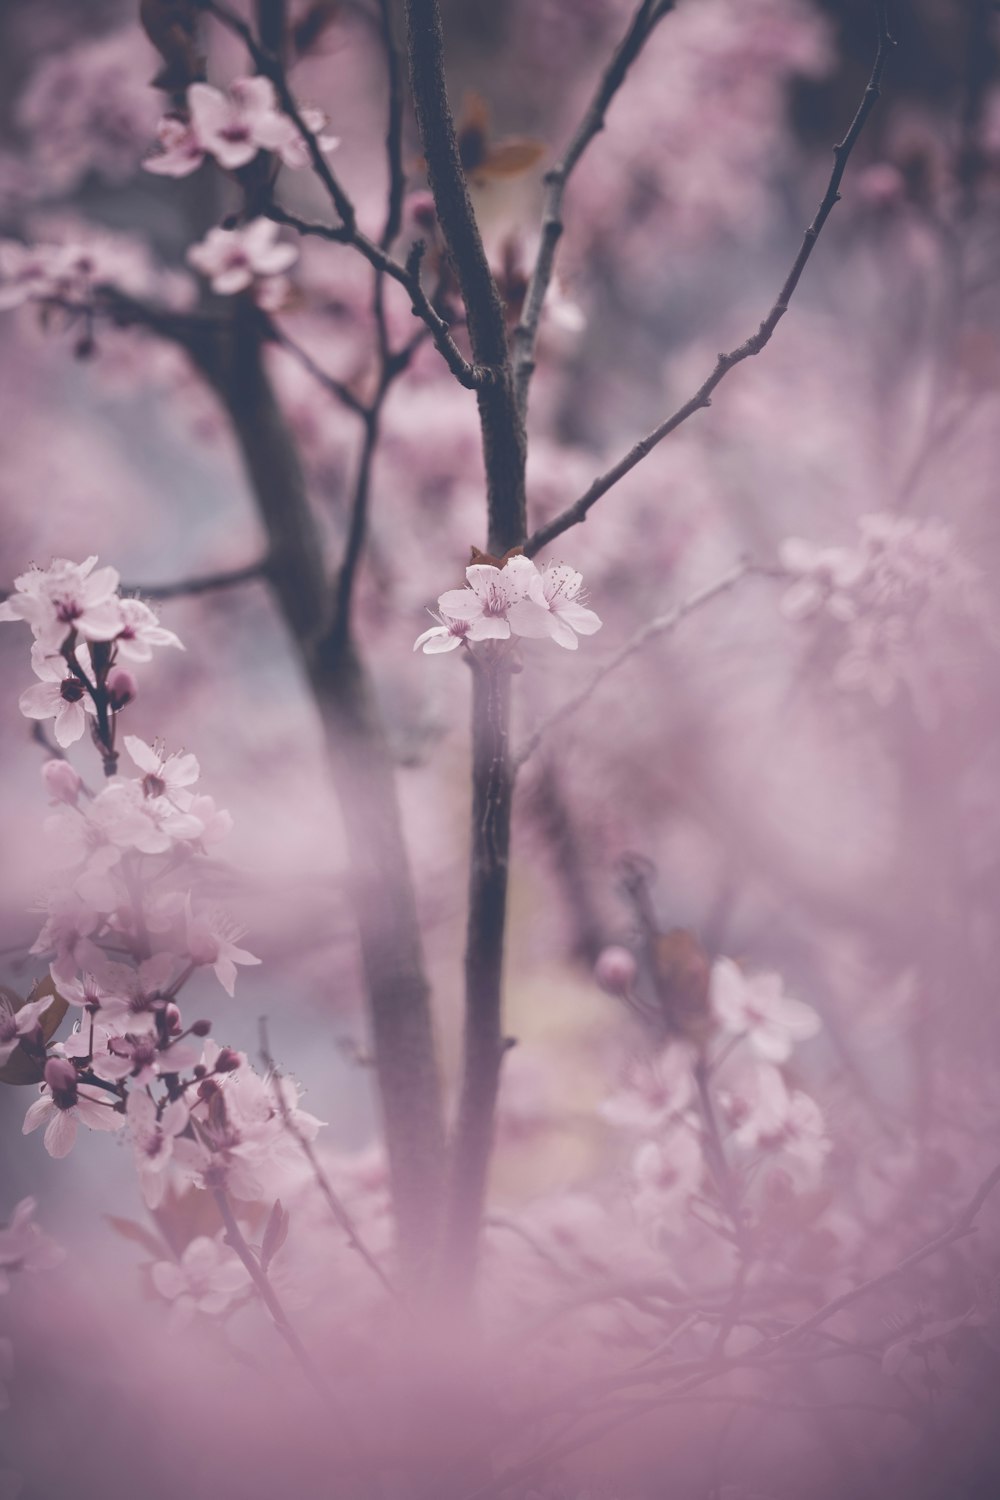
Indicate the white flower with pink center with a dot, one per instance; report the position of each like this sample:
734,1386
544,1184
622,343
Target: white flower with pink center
135,997
758,1008
141,631
180,149
666,1174
65,1104
554,607
211,941
65,597
231,259
152,1131
14,1024
229,126
208,1279
165,775
446,635
61,695
491,595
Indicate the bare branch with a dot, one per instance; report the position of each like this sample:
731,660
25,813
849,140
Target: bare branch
659,626
640,29
206,583
334,1202
703,396
336,388
502,427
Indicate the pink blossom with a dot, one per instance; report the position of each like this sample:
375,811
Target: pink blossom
181,151
141,631
553,608
26,272
135,997
166,776
16,1024
656,1090
228,126
486,604
211,940
666,1173
64,597
152,1132
62,783
208,1279
758,1008
64,1104
232,258
60,696
447,635
615,970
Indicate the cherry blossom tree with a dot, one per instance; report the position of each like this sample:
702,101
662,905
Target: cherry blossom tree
565,1072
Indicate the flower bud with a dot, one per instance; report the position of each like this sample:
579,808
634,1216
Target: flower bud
615,970
172,1016
61,782
121,687
201,1028
60,1075
227,1061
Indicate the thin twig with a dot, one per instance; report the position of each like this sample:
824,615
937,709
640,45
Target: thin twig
703,396
329,383
334,1202
640,29
205,583
658,626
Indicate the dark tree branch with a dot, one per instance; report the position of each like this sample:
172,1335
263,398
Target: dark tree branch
337,388
703,396
469,375
640,29
502,427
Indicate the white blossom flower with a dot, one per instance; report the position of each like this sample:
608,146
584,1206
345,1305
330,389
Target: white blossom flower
64,1103
63,597
492,592
758,1008
665,1174
152,1132
553,607
141,631
60,695
208,1279
232,258
211,940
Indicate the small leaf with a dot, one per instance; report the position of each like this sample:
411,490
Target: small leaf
26,1064
275,1234
510,159
138,1234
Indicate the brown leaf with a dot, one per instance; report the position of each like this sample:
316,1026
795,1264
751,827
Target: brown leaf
26,1064
681,973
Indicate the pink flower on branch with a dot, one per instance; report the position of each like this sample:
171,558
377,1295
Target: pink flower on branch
64,1104
61,696
232,259
15,1024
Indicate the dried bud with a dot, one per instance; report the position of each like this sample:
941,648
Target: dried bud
61,782
121,687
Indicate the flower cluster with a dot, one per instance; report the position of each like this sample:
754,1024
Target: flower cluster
514,598
233,127
661,1106
232,259
83,631
895,601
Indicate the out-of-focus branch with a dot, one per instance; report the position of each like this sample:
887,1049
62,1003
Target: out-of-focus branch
305,1145
579,510
640,29
205,583
701,1372
661,625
